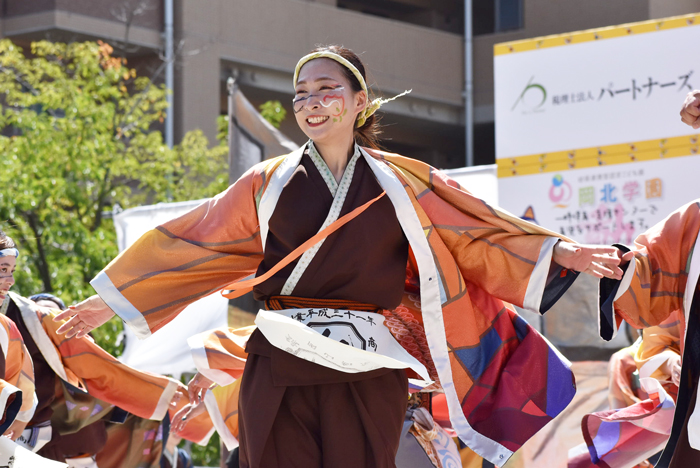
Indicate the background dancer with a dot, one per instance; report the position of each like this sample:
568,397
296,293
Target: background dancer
86,373
662,277
17,398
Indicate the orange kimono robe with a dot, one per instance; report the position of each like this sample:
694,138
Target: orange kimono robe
660,344
502,381
662,279
88,368
17,398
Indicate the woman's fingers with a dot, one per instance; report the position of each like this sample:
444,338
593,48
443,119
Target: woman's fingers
84,317
195,389
82,332
192,393
599,271
593,273
186,413
69,325
198,387
608,259
180,419
603,250
608,266
597,261
69,312
628,256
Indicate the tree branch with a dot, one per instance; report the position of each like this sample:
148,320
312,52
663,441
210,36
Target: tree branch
42,264
97,220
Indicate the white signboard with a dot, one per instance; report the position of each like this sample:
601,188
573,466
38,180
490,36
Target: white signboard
605,205
588,131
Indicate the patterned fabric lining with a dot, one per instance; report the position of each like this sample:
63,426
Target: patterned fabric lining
322,167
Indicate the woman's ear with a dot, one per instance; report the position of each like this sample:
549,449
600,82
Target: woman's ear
360,101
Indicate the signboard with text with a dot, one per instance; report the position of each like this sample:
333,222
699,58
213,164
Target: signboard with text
587,128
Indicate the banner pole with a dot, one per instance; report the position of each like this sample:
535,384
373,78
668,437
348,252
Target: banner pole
468,85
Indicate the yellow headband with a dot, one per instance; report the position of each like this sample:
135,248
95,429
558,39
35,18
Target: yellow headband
372,107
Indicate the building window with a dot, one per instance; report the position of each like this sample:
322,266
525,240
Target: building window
493,16
445,15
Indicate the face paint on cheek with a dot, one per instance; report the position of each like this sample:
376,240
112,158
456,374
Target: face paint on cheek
337,103
298,104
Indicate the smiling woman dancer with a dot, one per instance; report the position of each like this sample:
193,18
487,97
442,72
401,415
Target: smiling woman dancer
413,284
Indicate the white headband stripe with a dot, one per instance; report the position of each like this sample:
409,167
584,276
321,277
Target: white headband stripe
11,252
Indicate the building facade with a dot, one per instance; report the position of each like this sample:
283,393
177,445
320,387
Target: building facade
405,44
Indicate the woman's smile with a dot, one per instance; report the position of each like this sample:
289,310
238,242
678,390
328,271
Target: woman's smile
316,120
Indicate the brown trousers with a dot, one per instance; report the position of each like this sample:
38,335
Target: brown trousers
293,413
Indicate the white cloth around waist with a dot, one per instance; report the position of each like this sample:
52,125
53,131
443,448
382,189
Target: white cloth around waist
35,437
21,455
345,340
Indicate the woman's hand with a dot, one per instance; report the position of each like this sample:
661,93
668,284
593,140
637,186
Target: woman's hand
186,413
179,394
197,387
690,112
84,317
595,260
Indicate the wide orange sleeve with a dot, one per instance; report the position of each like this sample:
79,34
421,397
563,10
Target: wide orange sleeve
505,256
223,411
91,368
220,354
657,282
187,258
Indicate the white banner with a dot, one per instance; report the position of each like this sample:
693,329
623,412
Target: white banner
604,92
588,131
605,205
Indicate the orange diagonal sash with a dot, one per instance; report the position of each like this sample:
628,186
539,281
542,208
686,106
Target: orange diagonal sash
242,287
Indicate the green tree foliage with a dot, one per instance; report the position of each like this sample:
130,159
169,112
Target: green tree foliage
273,112
77,137
208,455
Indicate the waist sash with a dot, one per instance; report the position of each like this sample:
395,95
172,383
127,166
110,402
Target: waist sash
345,340
34,438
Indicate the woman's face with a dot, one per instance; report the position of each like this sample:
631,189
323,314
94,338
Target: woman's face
325,105
7,279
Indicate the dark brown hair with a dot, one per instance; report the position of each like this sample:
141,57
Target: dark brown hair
6,241
368,134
